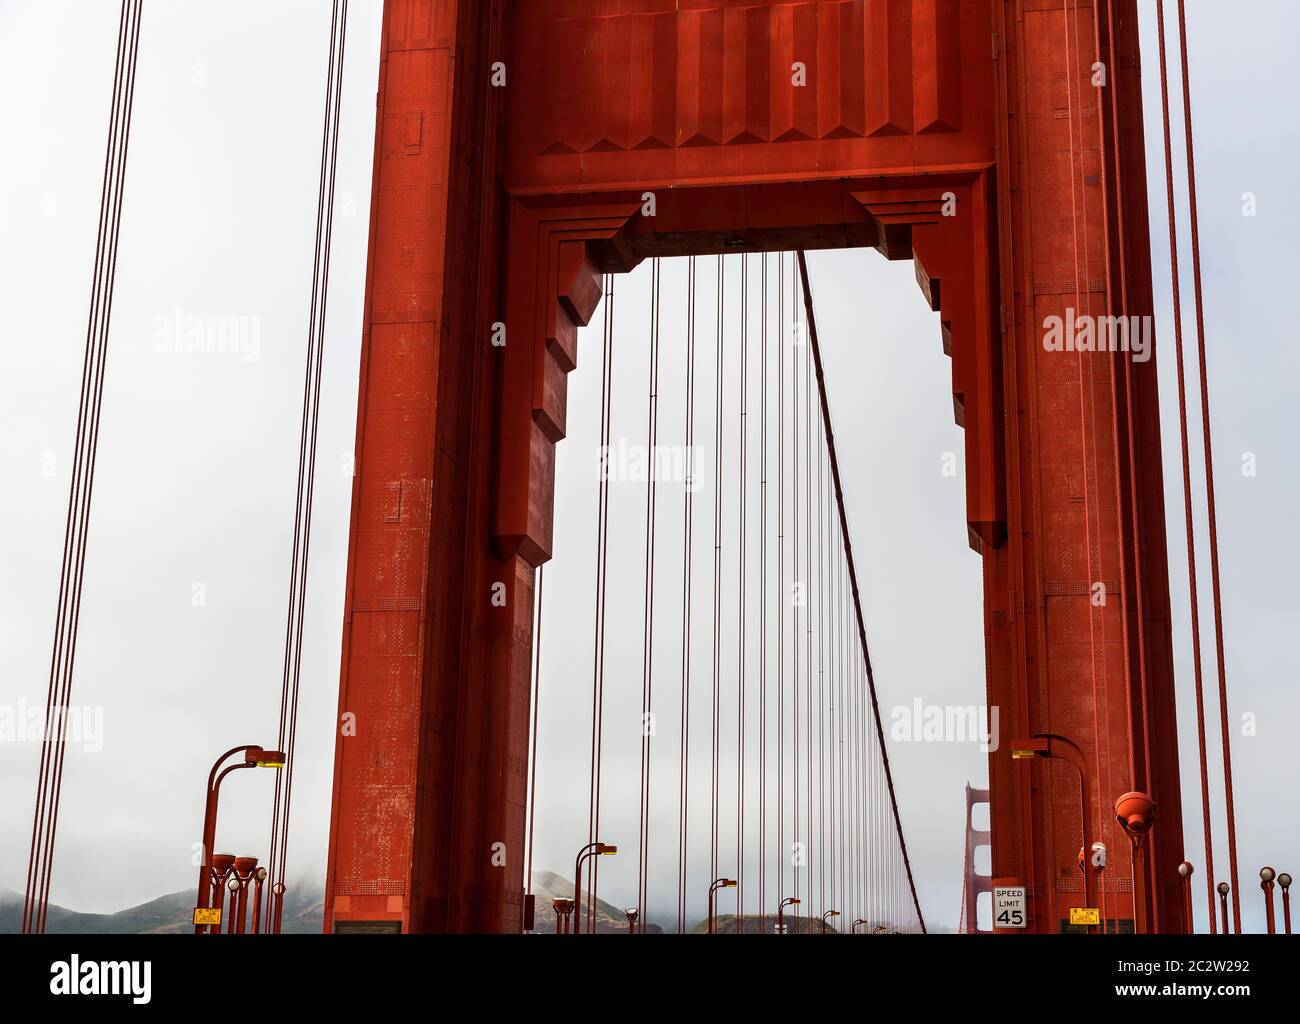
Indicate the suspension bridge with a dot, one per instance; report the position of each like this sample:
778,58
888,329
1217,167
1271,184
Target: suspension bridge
529,155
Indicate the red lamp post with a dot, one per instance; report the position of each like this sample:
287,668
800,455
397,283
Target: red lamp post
1266,877
1284,880
829,913
1223,889
209,878
1185,870
590,850
789,901
259,877
243,874
1053,746
563,908
718,883
853,928
1135,813
632,913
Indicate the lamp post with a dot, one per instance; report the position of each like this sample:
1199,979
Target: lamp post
259,876
853,928
1266,877
829,913
236,888
1223,889
718,883
254,757
1050,745
789,901
590,850
631,913
1185,870
1284,880
563,908
222,865
1135,813
243,874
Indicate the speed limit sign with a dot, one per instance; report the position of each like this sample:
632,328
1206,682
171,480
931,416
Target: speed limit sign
1009,906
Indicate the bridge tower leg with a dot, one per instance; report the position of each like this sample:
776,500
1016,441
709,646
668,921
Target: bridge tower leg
1077,599
427,814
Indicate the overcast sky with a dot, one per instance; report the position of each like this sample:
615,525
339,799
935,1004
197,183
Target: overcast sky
198,454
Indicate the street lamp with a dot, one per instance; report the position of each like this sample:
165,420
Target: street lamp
1284,880
1266,877
254,757
829,913
853,928
1050,745
631,913
718,883
1223,889
259,877
590,850
789,901
1135,813
1185,870
563,908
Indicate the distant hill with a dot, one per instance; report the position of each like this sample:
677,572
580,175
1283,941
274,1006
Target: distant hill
547,885
167,915
305,905
729,924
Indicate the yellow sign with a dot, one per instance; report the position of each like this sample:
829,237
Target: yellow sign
207,915
1085,915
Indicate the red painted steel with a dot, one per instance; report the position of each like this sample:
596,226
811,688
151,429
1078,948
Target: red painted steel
507,204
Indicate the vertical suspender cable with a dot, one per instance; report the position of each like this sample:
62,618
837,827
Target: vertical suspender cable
781,598
742,602
683,779
853,578
598,631
292,670
762,620
797,582
81,488
1187,480
647,649
716,790
1207,448
808,591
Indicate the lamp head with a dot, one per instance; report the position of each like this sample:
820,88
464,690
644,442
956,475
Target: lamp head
1266,875
1135,813
1284,880
1223,888
222,862
1185,869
